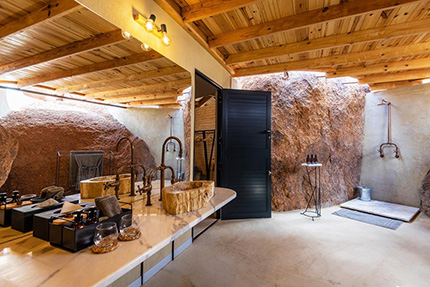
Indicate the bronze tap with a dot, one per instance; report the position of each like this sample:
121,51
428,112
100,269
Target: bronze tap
114,184
139,189
132,193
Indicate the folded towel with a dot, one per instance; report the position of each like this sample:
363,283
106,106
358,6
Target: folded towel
47,203
108,205
54,192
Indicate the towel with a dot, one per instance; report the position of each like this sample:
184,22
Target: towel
54,192
84,165
108,205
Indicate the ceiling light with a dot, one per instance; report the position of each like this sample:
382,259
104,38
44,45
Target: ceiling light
149,24
165,39
126,35
145,47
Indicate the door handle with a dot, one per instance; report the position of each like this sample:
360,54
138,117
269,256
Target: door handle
270,172
267,132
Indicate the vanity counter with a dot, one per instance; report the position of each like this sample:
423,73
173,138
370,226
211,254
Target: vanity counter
29,261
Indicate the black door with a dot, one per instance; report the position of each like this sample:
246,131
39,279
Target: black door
244,152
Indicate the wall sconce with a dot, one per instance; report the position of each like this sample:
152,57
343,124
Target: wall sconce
149,25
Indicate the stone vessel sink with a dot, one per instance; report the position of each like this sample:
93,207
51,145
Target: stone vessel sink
187,196
95,187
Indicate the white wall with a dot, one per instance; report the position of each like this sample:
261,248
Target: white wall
397,180
153,126
4,107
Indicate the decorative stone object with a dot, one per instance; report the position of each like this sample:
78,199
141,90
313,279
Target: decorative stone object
46,129
8,152
425,195
313,115
187,196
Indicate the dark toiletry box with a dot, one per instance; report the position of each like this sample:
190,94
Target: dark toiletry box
41,226
5,217
75,240
22,217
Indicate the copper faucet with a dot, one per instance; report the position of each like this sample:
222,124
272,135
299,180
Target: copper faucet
162,167
131,165
388,143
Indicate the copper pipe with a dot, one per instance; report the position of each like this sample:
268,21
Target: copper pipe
388,143
163,150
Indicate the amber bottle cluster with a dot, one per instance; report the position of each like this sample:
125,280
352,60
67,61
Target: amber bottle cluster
311,159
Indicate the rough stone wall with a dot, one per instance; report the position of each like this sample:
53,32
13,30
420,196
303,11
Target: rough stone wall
43,131
186,115
8,151
313,115
425,195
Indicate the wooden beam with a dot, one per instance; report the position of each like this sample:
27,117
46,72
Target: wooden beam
203,101
65,51
175,12
155,88
394,66
318,16
170,106
167,101
394,77
209,8
329,61
380,33
117,80
48,12
141,97
118,62
394,85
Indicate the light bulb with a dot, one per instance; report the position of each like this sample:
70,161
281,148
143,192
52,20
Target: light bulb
166,39
145,47
149,24
126,35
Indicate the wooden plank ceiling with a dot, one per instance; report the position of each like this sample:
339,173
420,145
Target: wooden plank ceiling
382,43
62,47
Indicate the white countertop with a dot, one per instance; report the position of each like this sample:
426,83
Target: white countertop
29,261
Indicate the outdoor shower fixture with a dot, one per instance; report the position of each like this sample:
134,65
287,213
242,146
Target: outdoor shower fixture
388,143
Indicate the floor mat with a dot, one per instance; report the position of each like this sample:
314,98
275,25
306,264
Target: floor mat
369,218
382,208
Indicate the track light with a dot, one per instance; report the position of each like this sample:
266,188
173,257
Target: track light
126,35
165,39
145,47
149,24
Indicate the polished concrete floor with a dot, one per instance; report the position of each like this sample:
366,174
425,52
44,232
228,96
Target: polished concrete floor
290,250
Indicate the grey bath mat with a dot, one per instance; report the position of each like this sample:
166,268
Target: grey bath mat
369,218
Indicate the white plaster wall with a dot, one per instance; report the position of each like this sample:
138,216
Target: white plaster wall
153,126
4,107
397,180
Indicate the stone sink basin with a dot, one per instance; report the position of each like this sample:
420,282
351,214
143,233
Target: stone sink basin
187,196
94,187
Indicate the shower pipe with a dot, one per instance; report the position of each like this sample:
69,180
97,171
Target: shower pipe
61,97
388,143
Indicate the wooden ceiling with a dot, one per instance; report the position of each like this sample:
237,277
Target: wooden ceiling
62,47
382,43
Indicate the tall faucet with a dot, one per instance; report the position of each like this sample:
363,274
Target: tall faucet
132,193
162,167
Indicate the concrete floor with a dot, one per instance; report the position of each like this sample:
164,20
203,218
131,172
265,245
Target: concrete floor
290,250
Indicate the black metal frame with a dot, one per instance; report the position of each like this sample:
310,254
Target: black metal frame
208,161
315,191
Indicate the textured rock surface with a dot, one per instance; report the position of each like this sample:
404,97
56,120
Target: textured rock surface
311,115
425,195
187,196
8,151
43,131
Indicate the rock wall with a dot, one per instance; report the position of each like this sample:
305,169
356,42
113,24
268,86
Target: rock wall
186,116
8,151
43,131
425,195
313,115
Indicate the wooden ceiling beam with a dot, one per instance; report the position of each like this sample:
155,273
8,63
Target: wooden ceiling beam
119,62
394,85
209,8
380,33
48,12
141,97
155,88
348,58
318,16
394,77
394,66
175,12
65,51
167,101
118,80
170,106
